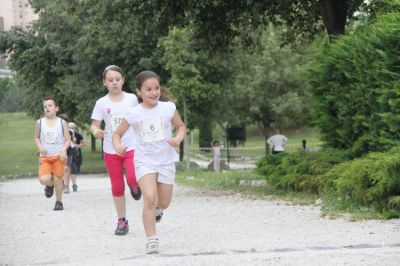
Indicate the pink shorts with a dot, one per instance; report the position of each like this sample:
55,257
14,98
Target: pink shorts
116,166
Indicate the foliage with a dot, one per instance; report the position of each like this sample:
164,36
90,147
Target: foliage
355,82
216,23
10,96
373,180
299,171
267,82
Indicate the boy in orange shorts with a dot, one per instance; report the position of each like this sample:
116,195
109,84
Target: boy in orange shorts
52,139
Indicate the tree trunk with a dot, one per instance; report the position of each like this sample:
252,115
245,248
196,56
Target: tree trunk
334,16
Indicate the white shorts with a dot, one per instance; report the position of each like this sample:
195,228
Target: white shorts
165,173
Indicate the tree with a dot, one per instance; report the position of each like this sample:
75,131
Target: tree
217,22
196,78
267,84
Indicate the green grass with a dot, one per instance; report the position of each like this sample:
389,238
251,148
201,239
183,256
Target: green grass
18,149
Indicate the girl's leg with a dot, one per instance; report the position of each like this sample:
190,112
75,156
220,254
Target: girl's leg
114,165
130,170
148,185
164,195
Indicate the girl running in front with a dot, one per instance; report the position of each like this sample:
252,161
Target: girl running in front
111,108
155,156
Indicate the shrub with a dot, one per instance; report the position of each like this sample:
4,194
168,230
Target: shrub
373,180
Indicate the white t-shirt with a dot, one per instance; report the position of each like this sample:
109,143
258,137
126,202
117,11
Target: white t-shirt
112,114
51,137
277,142
152,128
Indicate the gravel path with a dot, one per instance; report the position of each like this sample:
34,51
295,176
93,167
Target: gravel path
200,228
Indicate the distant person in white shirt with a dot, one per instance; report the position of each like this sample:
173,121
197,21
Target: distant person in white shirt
277,142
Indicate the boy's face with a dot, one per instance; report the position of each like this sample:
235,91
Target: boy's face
50,108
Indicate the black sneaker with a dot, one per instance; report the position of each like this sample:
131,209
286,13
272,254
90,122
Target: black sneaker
75,187
136,193
59,206
159,214
122,227
49,191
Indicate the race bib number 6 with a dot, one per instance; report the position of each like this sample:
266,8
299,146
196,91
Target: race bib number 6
152,130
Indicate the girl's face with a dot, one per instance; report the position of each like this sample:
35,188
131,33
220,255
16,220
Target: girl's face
150,92
113,81
50,108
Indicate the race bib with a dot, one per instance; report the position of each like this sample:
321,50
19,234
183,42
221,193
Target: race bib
115,121
50,136
152,130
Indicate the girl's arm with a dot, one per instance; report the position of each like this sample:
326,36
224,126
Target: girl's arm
180,130
95,127
118,133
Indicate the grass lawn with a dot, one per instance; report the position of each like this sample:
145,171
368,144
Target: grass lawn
18,149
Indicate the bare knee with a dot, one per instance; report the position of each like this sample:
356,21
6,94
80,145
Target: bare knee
149,201
45,180
163,204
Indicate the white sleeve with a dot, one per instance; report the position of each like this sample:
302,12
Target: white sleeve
97,113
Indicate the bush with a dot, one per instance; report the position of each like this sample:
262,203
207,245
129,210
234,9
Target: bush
355,82
372,181
299,171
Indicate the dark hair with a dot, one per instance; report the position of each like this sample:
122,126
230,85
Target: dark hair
143,76
50,98
114,68
65,118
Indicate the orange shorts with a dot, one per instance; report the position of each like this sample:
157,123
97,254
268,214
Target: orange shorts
51,165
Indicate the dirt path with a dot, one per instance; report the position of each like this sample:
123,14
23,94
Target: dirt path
200,228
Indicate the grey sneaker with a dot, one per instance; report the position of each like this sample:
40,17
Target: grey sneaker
75,187
159,214
59,206
66,190
122,227
152,246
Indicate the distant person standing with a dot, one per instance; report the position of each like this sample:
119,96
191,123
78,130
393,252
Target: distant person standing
277,142
216,149
52,139
111,109
77,142
304,147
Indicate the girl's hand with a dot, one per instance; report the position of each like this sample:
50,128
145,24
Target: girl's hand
174,142
120,150
99,133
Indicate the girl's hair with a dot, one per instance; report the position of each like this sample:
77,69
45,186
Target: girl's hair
47,98
114,68
143,76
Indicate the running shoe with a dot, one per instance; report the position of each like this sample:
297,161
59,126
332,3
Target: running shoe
49,191
159,214
136,193
66,189
122,227
59,206
152,246
75,187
